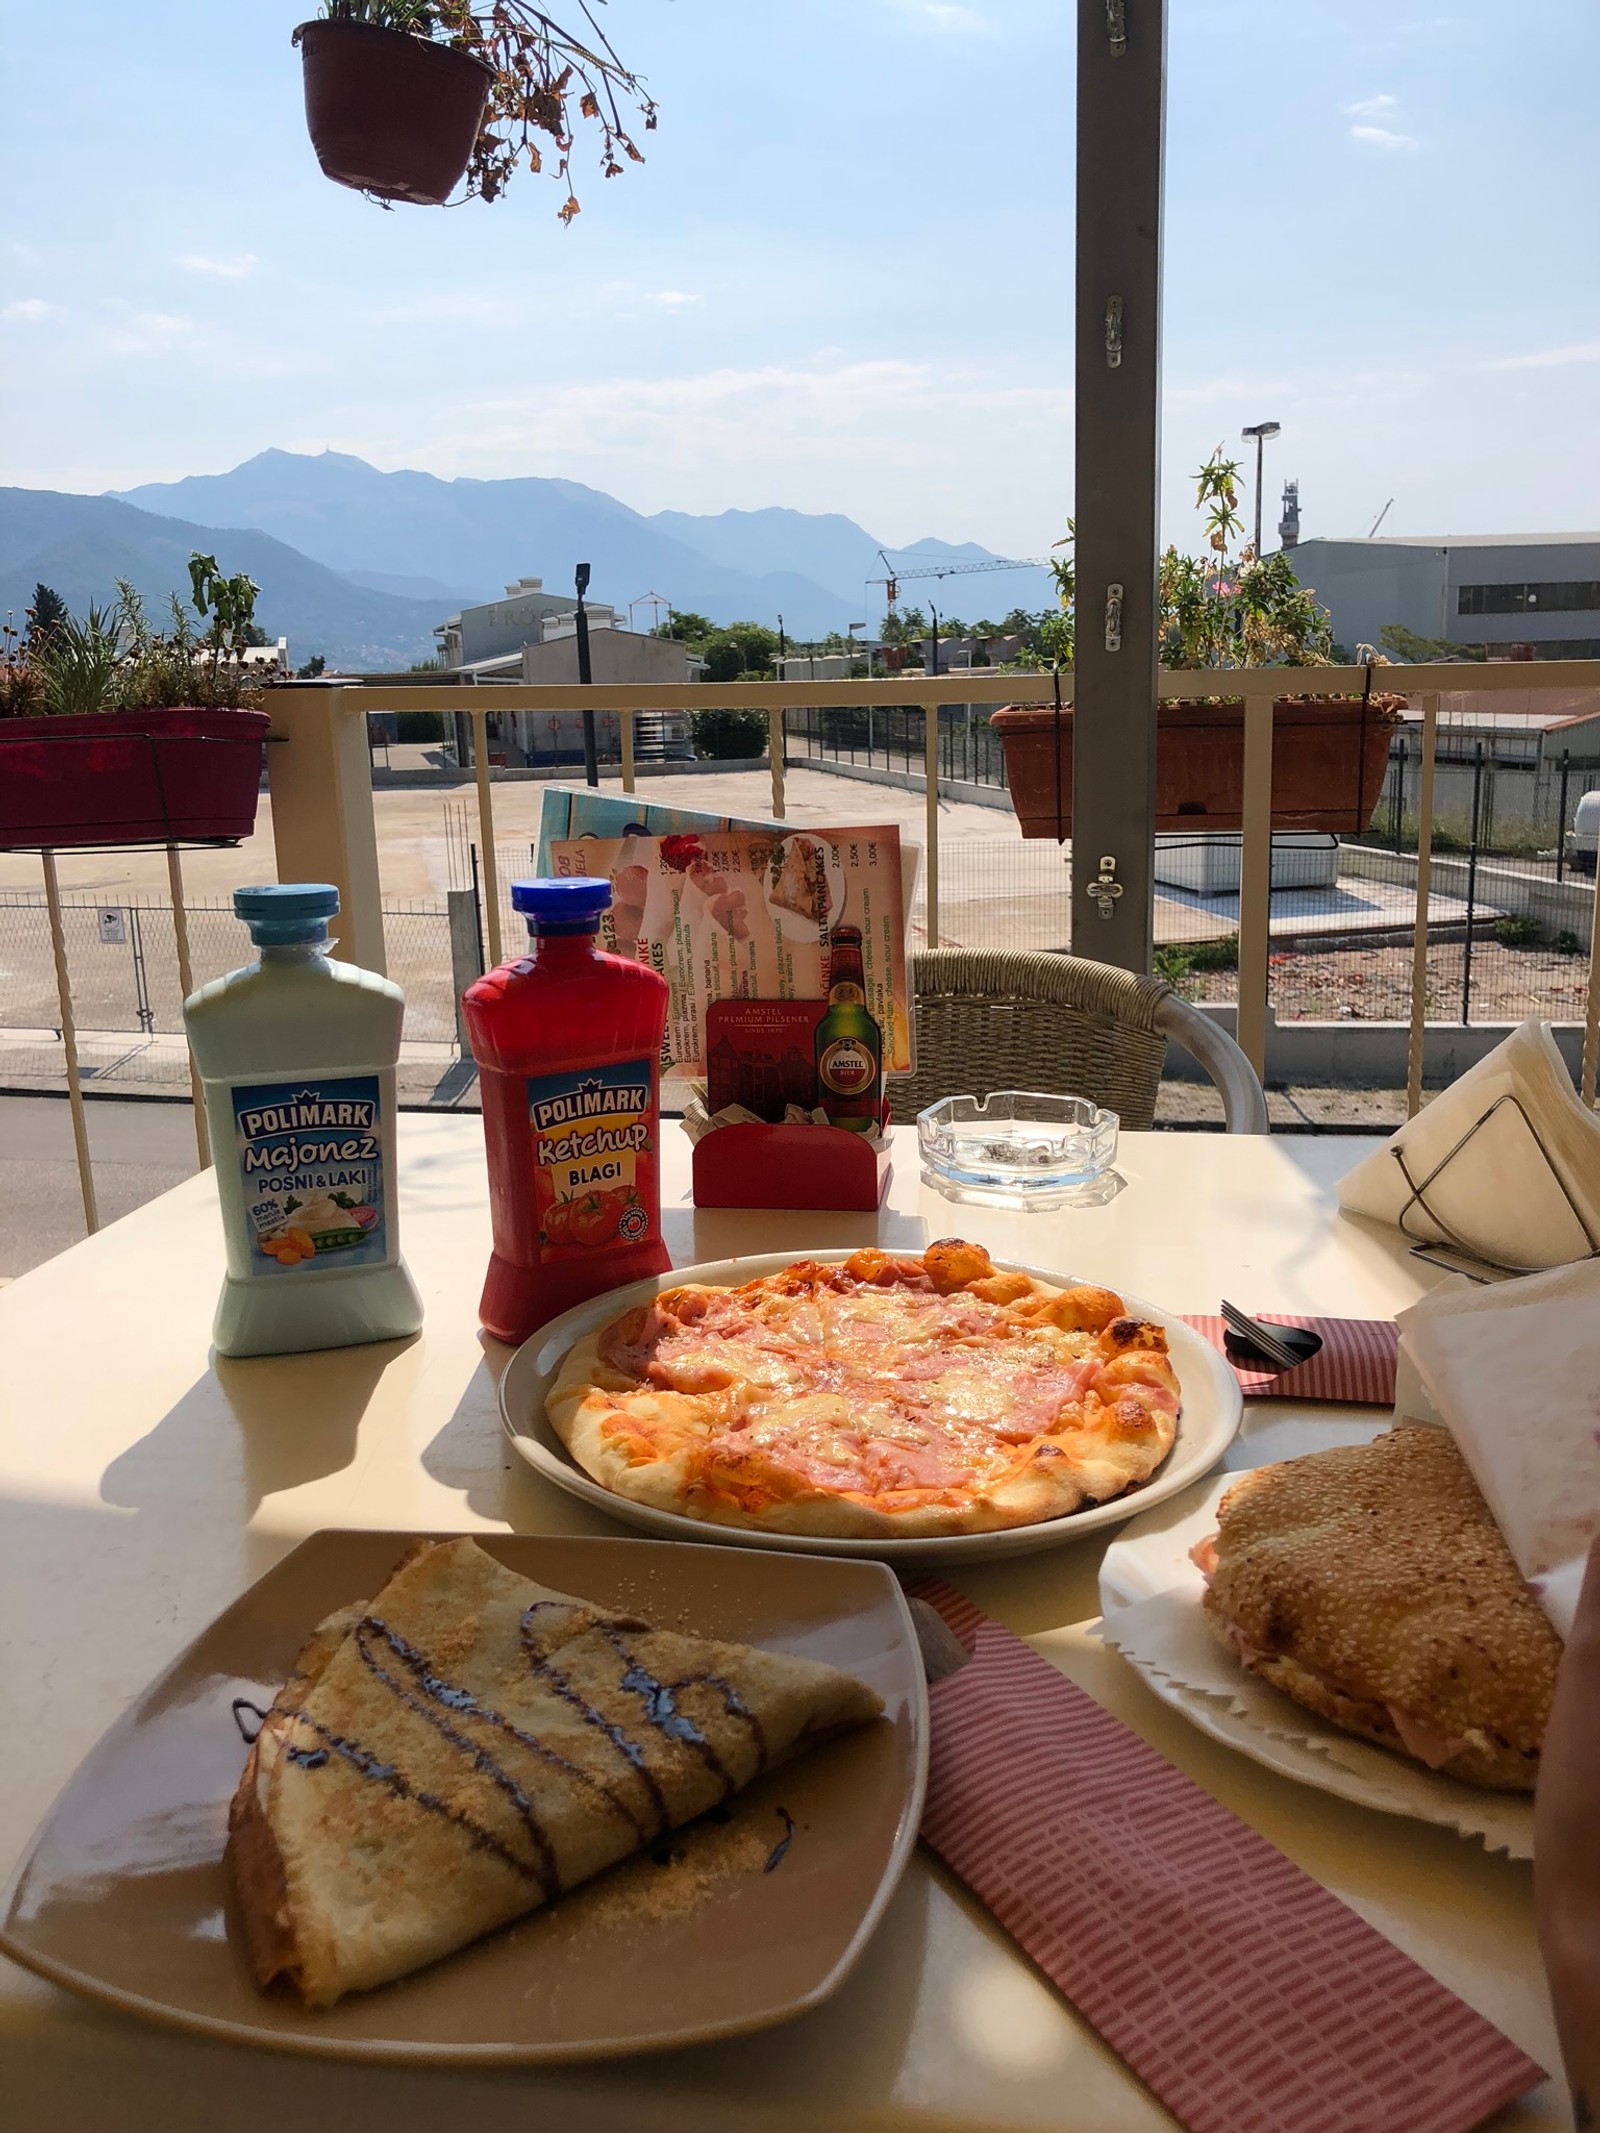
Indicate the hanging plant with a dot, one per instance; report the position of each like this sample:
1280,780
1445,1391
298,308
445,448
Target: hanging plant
406,98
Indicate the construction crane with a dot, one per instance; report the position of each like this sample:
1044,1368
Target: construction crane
891,581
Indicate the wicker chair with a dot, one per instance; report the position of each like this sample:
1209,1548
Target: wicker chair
1000,1019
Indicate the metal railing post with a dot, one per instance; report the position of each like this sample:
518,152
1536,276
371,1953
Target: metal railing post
69,1043
491,871
180,942
1419,949
1472,885
930,744
1561,816
625,726
1591,1011
775,746
1255,880
323,824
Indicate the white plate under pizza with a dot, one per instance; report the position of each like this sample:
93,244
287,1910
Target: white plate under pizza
920,1407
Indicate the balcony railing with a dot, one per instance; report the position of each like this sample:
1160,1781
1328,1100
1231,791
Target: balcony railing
324,826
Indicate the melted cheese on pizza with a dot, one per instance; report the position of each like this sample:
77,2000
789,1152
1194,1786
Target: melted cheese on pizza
897,1382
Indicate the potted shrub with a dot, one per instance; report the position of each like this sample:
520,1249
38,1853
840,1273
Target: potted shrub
112,733
1329,754
405,98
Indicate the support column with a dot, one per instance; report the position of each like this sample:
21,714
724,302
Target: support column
1121,142
319,775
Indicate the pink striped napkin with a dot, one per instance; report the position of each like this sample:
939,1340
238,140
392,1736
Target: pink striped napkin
1231,1983
1356,1361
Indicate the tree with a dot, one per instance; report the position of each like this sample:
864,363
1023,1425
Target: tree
1413,650
744,650
908,628
312,668
686,626
47,609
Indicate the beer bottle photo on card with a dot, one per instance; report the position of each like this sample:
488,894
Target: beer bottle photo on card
849,1043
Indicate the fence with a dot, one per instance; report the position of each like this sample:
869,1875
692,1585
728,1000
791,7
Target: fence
1498,927
892,737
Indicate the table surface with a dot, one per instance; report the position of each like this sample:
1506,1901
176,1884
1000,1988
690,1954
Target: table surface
144,1484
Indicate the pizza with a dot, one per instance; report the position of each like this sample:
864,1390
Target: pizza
882,1398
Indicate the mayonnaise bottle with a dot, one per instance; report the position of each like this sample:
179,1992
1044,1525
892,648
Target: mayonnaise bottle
297,1054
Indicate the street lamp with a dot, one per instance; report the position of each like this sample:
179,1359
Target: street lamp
1260,431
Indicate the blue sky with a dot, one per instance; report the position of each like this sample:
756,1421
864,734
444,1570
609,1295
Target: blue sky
842,279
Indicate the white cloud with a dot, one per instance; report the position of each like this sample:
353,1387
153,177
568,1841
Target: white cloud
1372,107
945,17
1549,358
31,311
149,333
239,266
1381,137
674,299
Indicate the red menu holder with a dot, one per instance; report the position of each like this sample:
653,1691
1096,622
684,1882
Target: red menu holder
790,1166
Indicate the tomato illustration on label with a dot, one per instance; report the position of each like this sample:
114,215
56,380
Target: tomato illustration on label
594,1158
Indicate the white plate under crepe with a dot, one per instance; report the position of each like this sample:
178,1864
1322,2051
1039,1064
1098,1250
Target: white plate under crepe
1150,1596
1207,1423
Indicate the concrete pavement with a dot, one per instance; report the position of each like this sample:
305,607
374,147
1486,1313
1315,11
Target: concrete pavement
138,1150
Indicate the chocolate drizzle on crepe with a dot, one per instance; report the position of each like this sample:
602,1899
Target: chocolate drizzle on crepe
429,1695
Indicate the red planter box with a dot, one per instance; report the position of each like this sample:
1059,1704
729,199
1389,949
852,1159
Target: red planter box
1328,762
129,777
789,1166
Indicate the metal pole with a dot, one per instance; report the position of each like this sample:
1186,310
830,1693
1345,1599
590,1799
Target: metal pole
1419,943
1561,817
69,1043
1472,885
180,942
591,756
775,746
1255,882
934,612
625,721
930,743
491,901
1121,102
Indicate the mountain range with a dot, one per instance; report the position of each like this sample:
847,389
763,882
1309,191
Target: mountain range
360,565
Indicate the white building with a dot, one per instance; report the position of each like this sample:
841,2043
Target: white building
1523,595
529,739
497,627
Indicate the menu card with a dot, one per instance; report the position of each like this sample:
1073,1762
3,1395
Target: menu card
750,913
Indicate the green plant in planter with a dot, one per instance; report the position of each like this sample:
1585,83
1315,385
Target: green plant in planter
115,660
546,81
1216,610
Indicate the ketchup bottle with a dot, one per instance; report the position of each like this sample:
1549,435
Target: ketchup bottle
568,1045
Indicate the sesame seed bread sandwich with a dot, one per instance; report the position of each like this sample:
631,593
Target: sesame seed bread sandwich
1372,1585
469,1744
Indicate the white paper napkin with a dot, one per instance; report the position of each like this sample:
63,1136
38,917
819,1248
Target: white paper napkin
1497,1195
1514,1370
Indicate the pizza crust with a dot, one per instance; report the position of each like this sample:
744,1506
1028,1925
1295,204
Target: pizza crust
653,1444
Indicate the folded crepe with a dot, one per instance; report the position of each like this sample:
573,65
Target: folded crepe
1523,1191
469,1744
1372,1585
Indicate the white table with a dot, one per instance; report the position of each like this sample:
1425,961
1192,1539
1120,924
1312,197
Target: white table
142,1488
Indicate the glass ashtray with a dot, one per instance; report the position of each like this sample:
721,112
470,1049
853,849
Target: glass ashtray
1019,1148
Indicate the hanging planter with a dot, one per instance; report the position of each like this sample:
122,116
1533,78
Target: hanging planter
408,99
130,777
391,114
1328,764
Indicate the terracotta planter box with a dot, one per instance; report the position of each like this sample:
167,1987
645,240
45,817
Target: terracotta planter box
129,777
1328,764
391,114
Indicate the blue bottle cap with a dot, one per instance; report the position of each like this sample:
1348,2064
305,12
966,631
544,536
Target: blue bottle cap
280,913
572,905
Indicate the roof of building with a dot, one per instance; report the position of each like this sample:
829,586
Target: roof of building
1451,540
